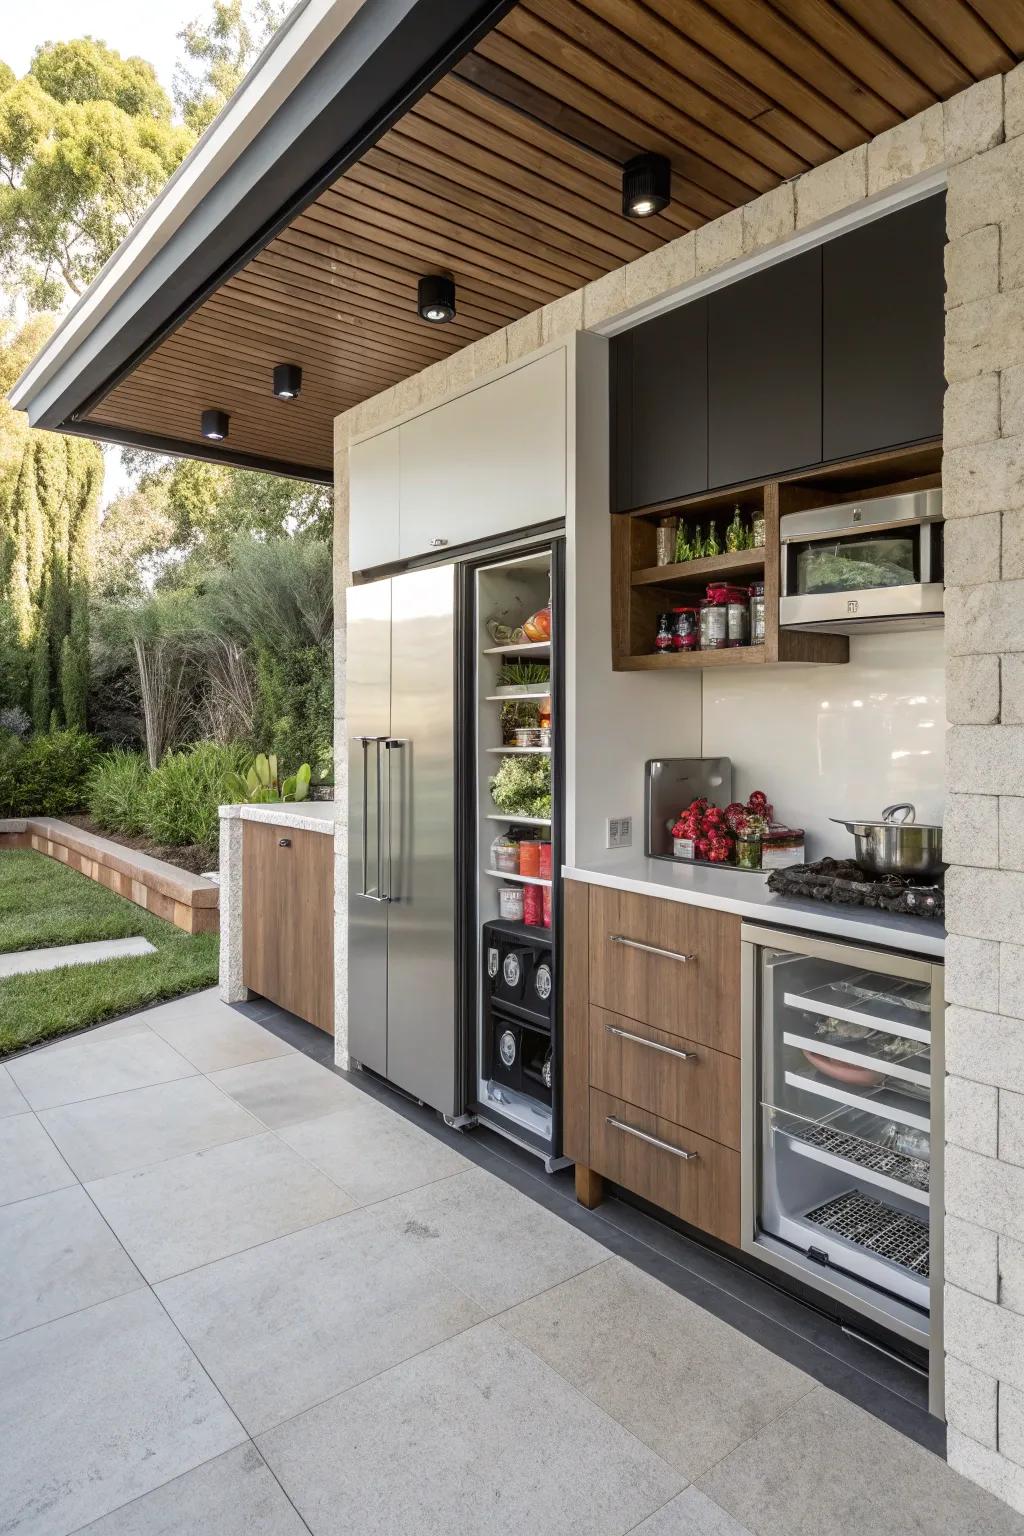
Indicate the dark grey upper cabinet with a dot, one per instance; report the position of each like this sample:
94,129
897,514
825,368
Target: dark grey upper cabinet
764,372
660,408
883,306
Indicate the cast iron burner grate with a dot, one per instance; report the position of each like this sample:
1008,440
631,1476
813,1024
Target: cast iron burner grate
891,1234
866,1154
844,883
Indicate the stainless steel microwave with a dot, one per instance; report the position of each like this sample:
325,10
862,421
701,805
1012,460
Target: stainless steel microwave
863,565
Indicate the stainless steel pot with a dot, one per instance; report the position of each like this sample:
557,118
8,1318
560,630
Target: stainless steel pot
894,846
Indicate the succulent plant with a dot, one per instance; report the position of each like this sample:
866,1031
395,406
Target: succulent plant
261,784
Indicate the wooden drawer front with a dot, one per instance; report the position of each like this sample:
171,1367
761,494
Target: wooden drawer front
697,997
684,1081
703,1190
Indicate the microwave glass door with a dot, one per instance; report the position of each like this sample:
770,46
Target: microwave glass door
857,563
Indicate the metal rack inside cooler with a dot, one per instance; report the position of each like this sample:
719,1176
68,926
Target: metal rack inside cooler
515,1076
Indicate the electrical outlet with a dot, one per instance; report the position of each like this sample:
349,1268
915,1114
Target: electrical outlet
619,832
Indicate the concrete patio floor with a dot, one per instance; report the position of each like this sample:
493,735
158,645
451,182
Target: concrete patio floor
241,1295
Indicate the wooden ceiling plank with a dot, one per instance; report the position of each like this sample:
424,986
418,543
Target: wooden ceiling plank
914,45
255,443
333,349
964,35
692,162
277,439
775,37
798,94
592,147
851,45
218,385
1006,21
659,30
609,60
429,195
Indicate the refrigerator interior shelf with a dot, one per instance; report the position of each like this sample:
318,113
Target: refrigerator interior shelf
921,1074
894,1235
868,1161
518,1108
519,693
857,1004
520,751
884,1102
501,874
527,648
520,821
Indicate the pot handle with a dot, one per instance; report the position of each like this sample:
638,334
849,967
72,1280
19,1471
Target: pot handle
890,813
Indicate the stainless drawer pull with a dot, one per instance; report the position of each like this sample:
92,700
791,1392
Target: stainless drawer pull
653,1045
653,1141
650,949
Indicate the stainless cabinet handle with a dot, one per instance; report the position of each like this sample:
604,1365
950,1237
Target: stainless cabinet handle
653,1141
650,949
365,742
652,1045
438,543
391,744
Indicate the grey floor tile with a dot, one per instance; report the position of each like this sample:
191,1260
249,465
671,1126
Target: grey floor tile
495,1244
59,1256
691,1514
213,1036
97,1067
12,1100
372,1152
128,1130
641,1352
176,1215
284,1326
135,1025
827,1468
477,1435
236,1495
29,1162
98,1408
286,1089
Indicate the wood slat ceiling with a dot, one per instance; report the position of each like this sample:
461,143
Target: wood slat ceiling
507,175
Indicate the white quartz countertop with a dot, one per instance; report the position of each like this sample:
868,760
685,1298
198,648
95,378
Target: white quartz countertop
746,894
306,816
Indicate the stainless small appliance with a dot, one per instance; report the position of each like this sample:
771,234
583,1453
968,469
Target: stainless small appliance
863,565
670,784
896,844
842,1126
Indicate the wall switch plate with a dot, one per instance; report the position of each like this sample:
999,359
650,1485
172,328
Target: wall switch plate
619,832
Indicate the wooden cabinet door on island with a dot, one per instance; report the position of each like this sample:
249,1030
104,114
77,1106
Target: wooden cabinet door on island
288,919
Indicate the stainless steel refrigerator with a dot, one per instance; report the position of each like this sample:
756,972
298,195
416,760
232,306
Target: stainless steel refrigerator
439,977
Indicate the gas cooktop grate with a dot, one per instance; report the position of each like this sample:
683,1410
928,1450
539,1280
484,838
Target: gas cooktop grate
907,1170
891,1234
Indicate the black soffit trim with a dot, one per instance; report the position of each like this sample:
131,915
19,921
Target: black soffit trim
222,453
303,150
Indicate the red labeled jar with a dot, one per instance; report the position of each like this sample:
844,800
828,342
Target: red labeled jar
533,905
546,905
686,628
529,857
545,861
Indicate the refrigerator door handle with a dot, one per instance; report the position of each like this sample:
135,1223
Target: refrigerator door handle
365,742
393,744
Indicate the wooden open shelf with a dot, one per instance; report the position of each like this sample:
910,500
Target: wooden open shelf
642,589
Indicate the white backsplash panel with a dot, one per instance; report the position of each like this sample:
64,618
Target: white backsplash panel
836,741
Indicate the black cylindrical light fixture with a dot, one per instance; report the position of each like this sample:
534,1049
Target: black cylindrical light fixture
215,425
435,299
646,186
287,381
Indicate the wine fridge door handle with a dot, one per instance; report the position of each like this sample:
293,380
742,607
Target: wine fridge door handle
393,744
651,949
653,1141
652,1045
366,742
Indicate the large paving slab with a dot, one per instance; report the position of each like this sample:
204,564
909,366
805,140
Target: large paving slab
372,1152
235,1495
286,1089
29,1162
95,1068
12,1100
98,1408
212,1036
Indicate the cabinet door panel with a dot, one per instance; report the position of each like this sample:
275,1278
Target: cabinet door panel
287,919
373,501
764,372
487,462
669,406
678,1079
883,306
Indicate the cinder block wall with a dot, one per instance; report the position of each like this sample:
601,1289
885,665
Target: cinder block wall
979,137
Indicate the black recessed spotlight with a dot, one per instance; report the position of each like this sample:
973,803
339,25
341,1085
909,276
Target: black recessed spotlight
215,425
646,186
435,299
287,381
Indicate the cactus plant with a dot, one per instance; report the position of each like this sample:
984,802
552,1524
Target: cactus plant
261,784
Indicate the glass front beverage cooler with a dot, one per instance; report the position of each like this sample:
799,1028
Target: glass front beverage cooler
843,1126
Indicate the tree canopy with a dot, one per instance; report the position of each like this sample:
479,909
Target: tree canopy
218,53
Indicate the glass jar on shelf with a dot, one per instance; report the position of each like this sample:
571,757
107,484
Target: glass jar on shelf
755,606
663,634
714,623
665,540
757,529
686,628
748,849
505,854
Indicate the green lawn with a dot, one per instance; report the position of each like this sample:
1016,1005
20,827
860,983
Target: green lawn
44,903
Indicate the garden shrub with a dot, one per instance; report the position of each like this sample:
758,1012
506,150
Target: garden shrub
117,792
181,797
296,709
47,775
